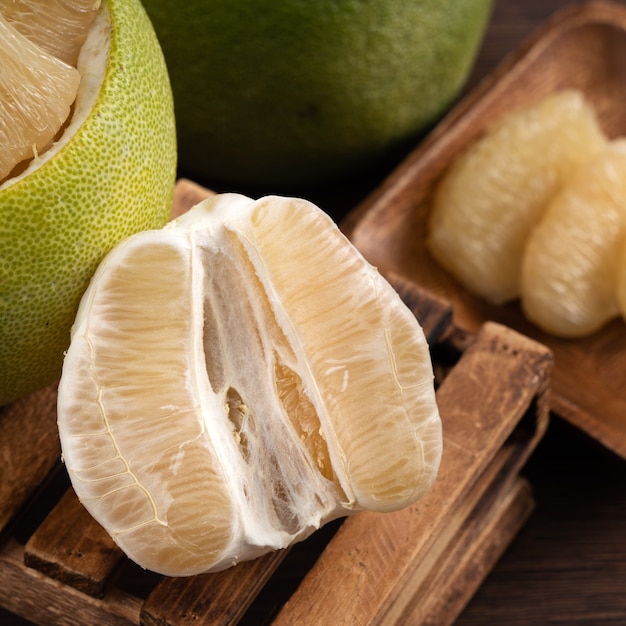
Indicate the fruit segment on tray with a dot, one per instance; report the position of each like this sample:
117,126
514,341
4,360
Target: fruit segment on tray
534,210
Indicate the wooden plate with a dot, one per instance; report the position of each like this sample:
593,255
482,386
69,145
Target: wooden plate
583,47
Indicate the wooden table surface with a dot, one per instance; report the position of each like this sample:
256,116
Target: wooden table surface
568,564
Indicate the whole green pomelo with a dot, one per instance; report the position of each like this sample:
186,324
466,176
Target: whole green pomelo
110,174
293,92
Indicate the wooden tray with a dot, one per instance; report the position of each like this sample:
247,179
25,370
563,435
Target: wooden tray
422,564
583,46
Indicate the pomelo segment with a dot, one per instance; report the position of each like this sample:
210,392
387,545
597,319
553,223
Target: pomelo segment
37,93
535,210
58,26
572,258
239,378
496,192
131,466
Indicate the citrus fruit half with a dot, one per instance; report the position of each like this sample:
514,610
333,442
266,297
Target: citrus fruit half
237,379
108,172
285,92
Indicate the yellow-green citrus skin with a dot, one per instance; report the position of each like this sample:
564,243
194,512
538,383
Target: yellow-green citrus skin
113,178
296,92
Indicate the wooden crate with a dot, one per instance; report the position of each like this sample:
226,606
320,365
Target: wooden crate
418,566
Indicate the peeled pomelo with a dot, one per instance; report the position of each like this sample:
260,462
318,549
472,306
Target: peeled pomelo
572,258
239,378
109,172
290,93
496,192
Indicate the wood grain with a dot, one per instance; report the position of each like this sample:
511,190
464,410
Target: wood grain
29,449
568,563
221,598
71,547
471,556
45,601
376,565
488,399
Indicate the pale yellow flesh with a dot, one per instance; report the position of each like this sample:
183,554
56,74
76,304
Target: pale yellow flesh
572,258
133,421
58,26
37,93
496,192
40,43
238,379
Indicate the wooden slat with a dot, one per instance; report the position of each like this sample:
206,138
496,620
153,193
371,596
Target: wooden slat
461,551
372,557
365,570
29,449
472,555
376,568
70,546
220,598
43,600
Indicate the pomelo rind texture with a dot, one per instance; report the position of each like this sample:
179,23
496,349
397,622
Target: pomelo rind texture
291,93
113,178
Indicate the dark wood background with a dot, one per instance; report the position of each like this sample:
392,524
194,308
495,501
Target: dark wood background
568,564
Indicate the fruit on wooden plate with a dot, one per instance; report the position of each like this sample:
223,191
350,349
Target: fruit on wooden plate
88,158
572,258
238,378
289,93
536,210
497,190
